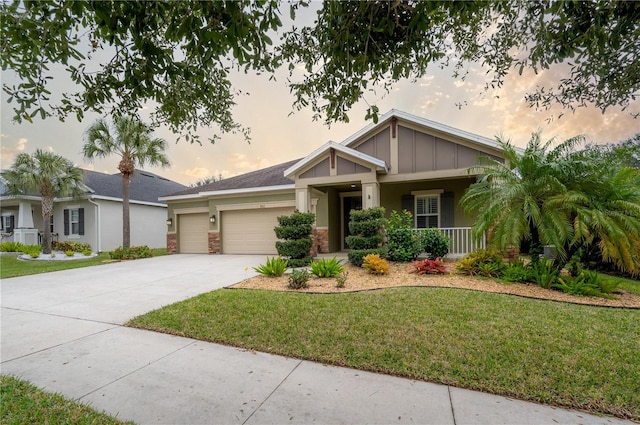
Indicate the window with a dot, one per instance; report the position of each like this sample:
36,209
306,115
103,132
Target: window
427,211
7,223
74,221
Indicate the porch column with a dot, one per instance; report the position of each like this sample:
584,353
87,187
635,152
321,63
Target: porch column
25,216
303,199
24,231
370,195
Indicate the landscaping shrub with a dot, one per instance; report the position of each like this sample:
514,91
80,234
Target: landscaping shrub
10,246
32,250
434,243
326,268
295,230
299,279
367,230
480,262
375,264
585,284
86,252
428,266
543,273
274,267
517,272
70,253
131,253
341,279
65,246
403,244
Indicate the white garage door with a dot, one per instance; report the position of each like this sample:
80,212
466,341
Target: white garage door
251,231
193,233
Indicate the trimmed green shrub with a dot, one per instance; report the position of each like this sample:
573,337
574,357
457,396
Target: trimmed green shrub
295,230
299,279
274,267
326,268
86,252
403,244
434,243
70,253
367,234
294,249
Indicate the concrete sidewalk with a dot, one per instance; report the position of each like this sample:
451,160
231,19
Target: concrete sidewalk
63,332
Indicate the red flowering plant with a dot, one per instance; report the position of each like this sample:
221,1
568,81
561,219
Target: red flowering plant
436,266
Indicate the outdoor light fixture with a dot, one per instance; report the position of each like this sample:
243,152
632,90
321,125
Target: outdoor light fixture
212,219
169,221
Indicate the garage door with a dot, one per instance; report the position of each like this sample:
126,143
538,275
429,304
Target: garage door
251,231
193,230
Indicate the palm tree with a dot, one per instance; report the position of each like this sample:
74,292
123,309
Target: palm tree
557,196
131,140
48,174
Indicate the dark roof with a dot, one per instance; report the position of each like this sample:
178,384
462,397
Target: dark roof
143,186
271,176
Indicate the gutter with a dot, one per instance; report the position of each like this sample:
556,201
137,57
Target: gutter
98,223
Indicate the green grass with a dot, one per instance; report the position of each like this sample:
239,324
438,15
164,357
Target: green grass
10,266
549,352
23,403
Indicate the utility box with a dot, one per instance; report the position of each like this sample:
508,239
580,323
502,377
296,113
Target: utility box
550,252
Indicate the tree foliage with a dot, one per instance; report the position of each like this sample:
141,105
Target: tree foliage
50,176
179,55
131,140
557,195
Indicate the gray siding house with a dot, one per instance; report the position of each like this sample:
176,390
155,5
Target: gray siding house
402,162
96,217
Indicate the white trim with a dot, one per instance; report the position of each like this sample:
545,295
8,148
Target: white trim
191,210
108,198
427,192
224,193
256,205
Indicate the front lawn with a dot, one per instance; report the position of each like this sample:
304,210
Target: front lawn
11,266
23,403
549,352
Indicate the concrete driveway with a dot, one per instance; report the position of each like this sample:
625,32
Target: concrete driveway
63,332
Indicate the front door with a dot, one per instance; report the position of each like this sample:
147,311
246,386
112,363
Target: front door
351,202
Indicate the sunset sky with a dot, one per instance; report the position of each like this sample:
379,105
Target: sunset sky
278,136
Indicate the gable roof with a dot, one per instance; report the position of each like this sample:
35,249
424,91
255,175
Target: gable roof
378,164
424,122
143,185
266,178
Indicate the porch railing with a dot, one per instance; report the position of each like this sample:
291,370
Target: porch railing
461,242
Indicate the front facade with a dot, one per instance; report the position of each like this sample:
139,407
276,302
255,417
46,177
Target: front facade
96,217
402,162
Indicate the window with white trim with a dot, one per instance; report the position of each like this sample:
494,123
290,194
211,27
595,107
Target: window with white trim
427,211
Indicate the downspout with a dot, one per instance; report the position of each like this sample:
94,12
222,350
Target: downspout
98,224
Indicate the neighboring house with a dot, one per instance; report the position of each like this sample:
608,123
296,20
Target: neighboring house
402,162
96,217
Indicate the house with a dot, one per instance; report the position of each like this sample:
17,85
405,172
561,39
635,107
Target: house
401,162
96,217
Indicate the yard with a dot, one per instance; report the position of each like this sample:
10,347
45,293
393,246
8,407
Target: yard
558,353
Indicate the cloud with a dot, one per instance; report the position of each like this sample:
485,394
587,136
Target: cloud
242,163
8,153
197,172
